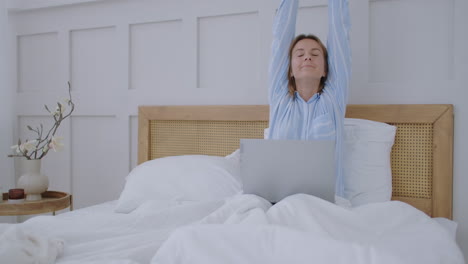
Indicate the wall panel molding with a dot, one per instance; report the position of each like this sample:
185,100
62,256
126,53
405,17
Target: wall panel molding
99,158
226,42
154,61
406,49
37,57
92,50
28,5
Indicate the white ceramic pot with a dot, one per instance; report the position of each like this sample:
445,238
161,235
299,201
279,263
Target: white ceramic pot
31,180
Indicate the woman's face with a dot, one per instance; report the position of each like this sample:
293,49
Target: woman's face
307,60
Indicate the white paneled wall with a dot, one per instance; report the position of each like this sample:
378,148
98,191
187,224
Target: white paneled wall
414,38
163,64
6,108
120,54
99,159
219,37
133,139
37,57
310,20
92,54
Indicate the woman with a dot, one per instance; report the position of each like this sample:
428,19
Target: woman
308,87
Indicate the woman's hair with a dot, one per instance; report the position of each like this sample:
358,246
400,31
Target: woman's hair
292,82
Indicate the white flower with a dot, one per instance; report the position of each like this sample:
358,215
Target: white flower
56,144
29,145
16,148
26,146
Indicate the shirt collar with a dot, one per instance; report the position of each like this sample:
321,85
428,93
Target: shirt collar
314,97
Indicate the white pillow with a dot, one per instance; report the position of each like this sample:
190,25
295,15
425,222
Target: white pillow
180,178
235,158
366,161
266,133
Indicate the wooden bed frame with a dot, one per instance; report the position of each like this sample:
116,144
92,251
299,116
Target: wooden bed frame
422,161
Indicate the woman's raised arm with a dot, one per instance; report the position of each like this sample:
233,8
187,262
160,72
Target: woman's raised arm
339,50
283,33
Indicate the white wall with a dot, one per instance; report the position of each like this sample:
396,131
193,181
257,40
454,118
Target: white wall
121,54
6,106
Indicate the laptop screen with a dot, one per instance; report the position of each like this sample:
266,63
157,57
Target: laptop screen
275,169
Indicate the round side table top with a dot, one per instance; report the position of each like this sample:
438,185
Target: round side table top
51,201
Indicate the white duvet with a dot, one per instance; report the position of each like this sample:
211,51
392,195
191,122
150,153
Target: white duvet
98,235
243,229
306,229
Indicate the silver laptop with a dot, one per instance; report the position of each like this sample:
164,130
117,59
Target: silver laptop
275,169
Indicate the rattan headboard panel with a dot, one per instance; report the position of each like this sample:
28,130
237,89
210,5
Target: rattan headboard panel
421,158
411,160
190,137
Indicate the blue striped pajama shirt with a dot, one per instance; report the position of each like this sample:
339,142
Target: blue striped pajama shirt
322,116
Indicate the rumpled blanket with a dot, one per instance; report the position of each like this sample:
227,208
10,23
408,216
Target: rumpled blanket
20,245
306,229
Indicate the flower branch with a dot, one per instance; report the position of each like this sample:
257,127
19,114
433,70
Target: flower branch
39,147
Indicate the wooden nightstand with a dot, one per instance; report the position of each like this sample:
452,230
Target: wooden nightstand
52,201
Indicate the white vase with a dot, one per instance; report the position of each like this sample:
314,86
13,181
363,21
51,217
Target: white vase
31,180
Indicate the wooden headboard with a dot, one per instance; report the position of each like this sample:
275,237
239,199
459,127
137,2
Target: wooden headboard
421,156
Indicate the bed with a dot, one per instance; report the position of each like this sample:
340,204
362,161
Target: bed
421,158
183,202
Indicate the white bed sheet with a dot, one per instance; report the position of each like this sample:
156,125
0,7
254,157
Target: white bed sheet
98,235
247,229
